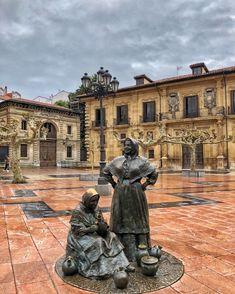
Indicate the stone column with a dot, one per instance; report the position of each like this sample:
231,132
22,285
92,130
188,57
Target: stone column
164,157
220,147
36,153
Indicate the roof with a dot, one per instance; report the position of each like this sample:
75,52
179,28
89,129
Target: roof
175,79
36,103
181,78
6,96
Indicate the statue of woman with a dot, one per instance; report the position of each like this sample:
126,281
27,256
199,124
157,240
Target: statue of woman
96,251
129,209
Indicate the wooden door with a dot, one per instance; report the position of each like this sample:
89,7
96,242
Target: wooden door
47,153
48,147
186,160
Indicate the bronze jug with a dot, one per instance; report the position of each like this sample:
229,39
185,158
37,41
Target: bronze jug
120,278
69,266
156,251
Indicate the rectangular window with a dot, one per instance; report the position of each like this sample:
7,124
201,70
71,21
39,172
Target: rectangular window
233,102
191,106
23,150
197,71
69,151
122,114
151,153
122,136
23,125
69,130
149,111
98,116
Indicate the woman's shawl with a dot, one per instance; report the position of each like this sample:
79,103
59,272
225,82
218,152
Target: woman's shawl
139,167
80,218
90,245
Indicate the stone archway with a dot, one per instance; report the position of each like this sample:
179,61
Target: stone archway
48,147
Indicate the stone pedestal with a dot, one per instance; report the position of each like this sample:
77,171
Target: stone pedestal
104,190
36,163
88,177
196,173
220,162
164,162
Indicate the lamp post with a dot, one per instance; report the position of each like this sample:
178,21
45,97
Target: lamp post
100,87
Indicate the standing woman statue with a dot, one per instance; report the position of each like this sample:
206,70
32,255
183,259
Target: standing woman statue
129,209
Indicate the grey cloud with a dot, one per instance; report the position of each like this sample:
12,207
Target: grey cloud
46,47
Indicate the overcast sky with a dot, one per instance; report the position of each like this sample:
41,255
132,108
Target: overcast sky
46,46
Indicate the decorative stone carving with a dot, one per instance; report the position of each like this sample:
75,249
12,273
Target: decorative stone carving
165,116
220,110
173,103
209,99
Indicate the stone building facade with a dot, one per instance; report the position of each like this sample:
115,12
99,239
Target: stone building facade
62,145
204,99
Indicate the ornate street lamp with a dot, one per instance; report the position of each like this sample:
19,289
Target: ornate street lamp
101,87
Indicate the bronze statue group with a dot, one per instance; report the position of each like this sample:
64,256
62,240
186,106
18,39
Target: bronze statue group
98,249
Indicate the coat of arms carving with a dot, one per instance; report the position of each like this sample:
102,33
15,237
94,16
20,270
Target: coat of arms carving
209,99
173,103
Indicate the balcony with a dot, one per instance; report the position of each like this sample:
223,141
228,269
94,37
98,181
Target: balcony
149,120
117,122
96,123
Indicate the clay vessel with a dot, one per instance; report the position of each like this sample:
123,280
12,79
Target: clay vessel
149,265
120,278
141,251
156,251
69,266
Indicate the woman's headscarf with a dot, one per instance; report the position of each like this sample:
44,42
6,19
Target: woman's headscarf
135,147
88,195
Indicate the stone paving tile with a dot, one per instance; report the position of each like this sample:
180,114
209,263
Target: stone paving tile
202,236
36,288
25,254
30,272
215,281
8,288
6,274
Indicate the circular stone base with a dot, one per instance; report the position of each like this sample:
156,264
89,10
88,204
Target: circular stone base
170,270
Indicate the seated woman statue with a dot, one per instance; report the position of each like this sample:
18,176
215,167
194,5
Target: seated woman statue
96,251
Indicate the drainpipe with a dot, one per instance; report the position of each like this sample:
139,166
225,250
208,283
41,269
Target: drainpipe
226,117
160,118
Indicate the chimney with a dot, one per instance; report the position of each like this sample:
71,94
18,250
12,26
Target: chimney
5,90
199,68
142,80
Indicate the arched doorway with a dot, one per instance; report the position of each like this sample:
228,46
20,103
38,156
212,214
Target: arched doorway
48,147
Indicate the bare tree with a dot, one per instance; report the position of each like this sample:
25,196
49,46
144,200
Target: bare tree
191,137
10,135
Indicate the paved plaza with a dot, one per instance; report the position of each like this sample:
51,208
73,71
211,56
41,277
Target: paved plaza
192,218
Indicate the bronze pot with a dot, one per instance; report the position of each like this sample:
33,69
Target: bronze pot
141,251
149,265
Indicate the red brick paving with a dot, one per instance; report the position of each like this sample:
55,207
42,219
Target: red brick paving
202,236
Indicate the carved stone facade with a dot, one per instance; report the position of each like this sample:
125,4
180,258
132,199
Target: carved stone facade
62,146
200,100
